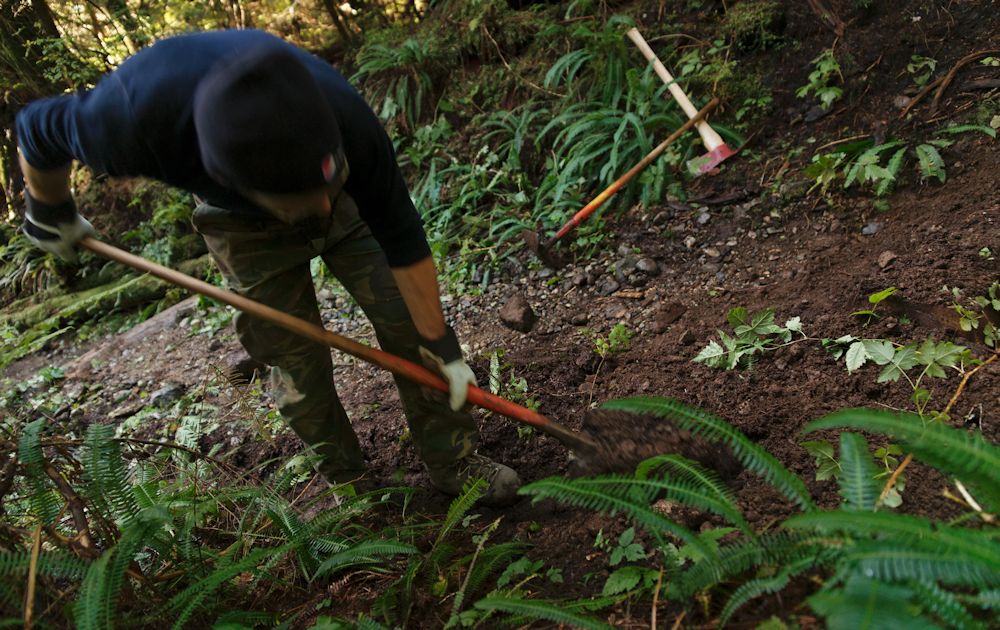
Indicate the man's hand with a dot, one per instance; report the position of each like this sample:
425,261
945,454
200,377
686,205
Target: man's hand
445,356
55,228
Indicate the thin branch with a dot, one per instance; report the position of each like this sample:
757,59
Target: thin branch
948,78
951,403
29,597
656,598
76,509
486,32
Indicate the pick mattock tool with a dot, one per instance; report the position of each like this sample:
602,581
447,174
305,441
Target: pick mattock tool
583,446
545,252
718,150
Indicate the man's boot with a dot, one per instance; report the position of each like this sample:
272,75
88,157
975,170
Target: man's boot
503,481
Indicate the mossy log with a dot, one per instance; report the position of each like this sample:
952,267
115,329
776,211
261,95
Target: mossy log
130,291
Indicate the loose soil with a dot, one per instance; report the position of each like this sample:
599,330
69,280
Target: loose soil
755,239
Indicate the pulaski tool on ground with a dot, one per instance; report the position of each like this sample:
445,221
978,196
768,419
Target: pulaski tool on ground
544,248
618,440
718,150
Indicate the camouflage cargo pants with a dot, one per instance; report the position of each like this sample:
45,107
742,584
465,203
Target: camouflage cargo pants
268,261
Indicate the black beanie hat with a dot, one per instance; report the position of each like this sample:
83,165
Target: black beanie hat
263,124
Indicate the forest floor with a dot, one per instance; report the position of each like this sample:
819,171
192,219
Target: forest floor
749,237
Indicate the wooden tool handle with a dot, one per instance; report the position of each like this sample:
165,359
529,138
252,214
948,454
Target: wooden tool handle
617,185
711,139
396,365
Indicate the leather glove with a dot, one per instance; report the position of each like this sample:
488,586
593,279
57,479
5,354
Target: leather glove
55,228
445,356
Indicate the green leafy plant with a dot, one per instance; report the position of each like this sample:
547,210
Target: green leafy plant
874,568
752,334
825,69
973,313
875,299
921,68
128,542
864,164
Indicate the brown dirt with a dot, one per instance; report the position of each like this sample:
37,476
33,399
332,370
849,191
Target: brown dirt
777,247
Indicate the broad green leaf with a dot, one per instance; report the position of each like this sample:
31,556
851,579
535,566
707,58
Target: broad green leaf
856,356
622,580
879,350
827,465
903,359
875,298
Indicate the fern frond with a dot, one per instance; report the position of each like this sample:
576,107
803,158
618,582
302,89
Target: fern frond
964,454
864,604
780,548
460,506
704,480
857,474
614,495
52,563
945,606
188,600
45,502
364,553
491,559
897,562
540,610
107,482
98,601
990,600
752,589
715,429
917,532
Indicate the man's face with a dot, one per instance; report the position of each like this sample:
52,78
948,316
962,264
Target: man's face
300,207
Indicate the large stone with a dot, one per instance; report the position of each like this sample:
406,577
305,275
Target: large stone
517,315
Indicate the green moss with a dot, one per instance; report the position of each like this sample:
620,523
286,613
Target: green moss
755,23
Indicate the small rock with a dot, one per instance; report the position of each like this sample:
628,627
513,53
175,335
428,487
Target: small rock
517,315
703,218
885,258
871,229
667,315
712,252
690,241
901,101
686,338
662,217
166,395
580,279
121,395
579,319
324,295
647,266
607,286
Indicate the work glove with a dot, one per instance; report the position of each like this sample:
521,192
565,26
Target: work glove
445,356
55,228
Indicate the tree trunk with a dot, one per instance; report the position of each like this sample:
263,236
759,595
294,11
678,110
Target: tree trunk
338,21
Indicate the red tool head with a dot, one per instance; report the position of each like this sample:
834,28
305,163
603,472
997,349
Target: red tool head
708,162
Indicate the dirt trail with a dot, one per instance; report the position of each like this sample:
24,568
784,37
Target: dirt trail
772,247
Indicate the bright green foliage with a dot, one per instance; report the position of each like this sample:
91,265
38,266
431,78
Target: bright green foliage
966,455
857,474
934,357
881,569
861,163
400,76
752,334
144,522
825,70
715,429
541,610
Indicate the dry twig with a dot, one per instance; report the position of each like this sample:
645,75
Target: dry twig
951,403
